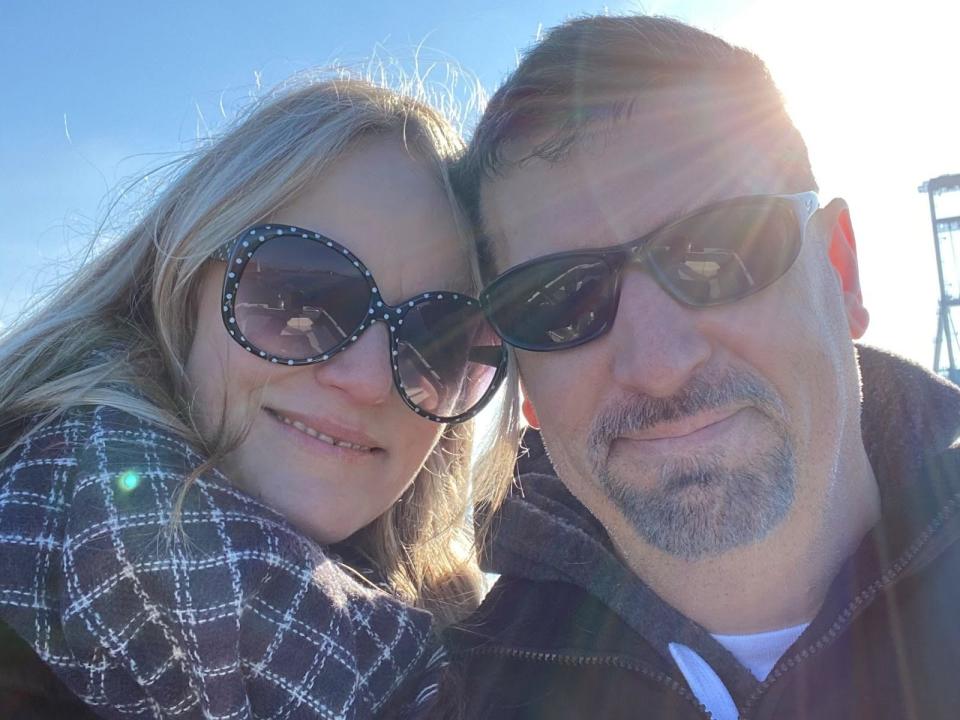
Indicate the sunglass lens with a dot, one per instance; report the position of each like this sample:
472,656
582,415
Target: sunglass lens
447,357
726,253
553,303
299,298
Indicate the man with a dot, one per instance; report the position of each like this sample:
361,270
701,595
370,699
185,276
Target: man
737,529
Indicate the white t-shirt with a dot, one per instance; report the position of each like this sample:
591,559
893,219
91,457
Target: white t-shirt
757,652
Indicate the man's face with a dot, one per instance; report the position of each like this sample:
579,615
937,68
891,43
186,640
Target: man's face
698,431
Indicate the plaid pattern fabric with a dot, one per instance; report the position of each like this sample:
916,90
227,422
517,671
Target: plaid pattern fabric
238,617
423,706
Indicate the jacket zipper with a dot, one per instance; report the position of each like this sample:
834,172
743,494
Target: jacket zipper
583,660
863,598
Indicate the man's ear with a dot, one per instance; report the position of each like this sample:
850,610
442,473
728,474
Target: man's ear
843,257
528,411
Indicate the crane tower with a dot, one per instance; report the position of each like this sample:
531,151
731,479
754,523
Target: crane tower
944,195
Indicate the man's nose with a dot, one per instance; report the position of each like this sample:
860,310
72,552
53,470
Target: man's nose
657,344
363,370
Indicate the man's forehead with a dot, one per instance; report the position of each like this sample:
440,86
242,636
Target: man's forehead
676,150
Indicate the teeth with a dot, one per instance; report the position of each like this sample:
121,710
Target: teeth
321,436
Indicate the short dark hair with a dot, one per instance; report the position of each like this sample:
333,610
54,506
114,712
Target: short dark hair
592,69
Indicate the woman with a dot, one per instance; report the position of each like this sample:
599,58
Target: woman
231,426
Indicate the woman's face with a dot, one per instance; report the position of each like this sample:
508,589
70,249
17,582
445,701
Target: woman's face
332,445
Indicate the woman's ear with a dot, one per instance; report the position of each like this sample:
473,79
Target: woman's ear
529,413
842,252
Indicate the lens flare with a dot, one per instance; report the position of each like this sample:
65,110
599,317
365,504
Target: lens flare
128,481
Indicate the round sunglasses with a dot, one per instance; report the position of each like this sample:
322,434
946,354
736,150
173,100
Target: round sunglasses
295,297
716,255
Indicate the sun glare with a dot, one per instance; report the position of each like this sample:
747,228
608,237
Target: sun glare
867,89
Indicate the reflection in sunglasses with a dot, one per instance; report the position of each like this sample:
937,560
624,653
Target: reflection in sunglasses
318,331
722,271
489,355
300,324
555,286
421,382
574,329
708,263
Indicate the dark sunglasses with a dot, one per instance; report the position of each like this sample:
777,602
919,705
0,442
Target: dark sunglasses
295,297
718,254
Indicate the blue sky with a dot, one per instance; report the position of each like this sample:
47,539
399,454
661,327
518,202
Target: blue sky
97,93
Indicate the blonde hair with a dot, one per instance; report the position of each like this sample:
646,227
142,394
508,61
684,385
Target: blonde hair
119,331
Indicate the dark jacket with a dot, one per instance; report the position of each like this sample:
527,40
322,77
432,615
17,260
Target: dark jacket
239,616
568,632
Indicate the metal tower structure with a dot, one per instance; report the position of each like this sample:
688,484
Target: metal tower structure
944,195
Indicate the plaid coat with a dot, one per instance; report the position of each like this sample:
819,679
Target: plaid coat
237,617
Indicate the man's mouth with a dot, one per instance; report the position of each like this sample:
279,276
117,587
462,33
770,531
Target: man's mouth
318,435
699,425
